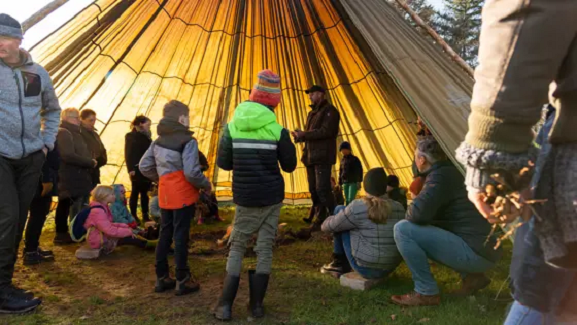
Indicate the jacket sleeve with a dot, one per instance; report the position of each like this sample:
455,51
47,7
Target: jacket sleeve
103,159
128,154
359,168
108,228
67,152
147,164
328,130
50,115
341,172
192,169
342,221
224,159
287,154
432,197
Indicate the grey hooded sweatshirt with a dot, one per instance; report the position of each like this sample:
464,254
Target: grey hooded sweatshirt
29,109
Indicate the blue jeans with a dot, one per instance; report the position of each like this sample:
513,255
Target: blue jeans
417,244
523,315
342,246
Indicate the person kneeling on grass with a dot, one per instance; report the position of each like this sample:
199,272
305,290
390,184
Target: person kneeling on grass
363,232
103,233
444,226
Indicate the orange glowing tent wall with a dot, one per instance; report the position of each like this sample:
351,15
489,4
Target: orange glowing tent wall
123,58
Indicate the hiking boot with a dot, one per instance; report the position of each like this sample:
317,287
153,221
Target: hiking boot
63,239
258,283
164,283
35,258
13,301
471,284
416,299
25,294
223,310
339,265
186,286
45,253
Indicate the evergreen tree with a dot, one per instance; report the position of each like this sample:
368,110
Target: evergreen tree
459,25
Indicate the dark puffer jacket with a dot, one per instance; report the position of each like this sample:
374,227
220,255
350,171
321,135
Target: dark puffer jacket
320,136
252,146
98,151
135,145
351,170
443,203
75,162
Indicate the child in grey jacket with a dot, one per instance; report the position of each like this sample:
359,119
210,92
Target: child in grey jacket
363,232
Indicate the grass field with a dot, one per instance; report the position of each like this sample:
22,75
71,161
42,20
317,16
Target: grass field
118,289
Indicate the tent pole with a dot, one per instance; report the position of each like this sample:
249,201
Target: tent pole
42,13
446,47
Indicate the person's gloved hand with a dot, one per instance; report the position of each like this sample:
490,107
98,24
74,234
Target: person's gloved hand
47,188
133,225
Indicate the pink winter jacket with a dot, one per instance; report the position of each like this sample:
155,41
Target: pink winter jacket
102,223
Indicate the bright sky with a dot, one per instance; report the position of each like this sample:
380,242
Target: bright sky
22,9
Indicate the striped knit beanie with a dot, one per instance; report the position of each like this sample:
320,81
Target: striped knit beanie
267,89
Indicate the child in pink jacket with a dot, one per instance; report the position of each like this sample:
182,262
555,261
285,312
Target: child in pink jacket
102,232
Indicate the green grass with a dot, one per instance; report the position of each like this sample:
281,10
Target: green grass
118,289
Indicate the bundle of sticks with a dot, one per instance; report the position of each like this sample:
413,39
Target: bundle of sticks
508,199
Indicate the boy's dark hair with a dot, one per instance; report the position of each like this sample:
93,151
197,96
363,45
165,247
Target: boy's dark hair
393,181
140,119
86,113
175,109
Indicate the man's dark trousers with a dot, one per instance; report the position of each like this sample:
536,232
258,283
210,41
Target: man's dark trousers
319,177
19,180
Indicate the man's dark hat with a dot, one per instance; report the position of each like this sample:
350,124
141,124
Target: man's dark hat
315,88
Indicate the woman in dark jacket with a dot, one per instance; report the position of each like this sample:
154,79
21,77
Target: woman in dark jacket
136,143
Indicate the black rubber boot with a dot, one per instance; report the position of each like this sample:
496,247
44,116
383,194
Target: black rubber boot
258,283
164,283
339,265
223,311
185,285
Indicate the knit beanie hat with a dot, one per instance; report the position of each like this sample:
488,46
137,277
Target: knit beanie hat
417,185
267,89
175,109
375,182
393,181
345,145
10,27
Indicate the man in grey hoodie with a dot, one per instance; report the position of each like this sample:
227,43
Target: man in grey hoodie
30,115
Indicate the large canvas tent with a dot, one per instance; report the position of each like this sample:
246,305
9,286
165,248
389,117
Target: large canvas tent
123,58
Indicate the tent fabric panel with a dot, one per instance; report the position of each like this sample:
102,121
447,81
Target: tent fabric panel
135,56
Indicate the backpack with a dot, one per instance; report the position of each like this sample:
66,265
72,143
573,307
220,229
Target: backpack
76,228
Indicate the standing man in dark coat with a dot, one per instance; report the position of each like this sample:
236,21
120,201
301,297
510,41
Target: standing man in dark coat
75,174
92,139
135,146
320,152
